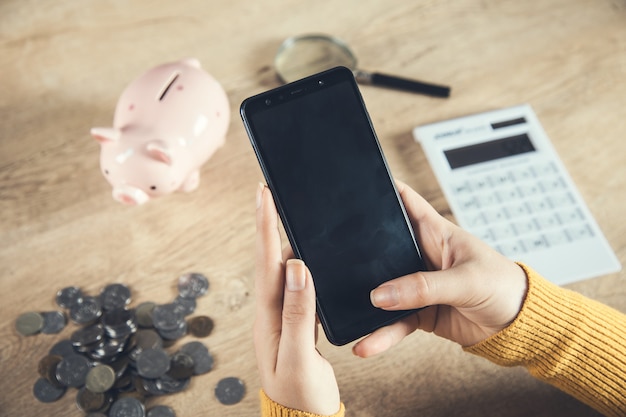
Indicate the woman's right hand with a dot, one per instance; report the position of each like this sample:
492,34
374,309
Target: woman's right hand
470,293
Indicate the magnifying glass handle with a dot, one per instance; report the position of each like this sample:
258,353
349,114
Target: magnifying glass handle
404,84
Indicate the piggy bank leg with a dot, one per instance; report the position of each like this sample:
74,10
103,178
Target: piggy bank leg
192,181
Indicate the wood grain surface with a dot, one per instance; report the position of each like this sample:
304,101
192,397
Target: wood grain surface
64,63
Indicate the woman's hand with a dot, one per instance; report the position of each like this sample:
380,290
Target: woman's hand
293,373
470,293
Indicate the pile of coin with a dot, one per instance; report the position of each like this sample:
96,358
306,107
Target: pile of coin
118,356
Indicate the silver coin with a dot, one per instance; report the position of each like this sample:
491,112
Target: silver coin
181,366
143,312
87,337
86,311
169,385
202,359
69,296
185,305
100,378
153,363
115,296
72,370
45,392
167,317
161,411
127,407
29,323
170,335
53,322
230,390
62,348
192,285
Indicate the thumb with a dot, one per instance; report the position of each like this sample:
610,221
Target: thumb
298,318
423,289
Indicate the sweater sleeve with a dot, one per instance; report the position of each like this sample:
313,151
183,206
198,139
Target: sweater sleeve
270,408
567,340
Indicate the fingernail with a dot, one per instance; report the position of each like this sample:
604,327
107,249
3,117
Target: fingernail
259,194
385,296
295,275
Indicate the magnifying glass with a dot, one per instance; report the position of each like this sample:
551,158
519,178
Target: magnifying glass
304,55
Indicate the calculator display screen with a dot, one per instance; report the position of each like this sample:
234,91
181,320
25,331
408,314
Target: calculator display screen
489,151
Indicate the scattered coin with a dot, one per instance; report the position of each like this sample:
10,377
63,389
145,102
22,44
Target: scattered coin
200,326
116,357
47,369
29,323
185,305
202,359
143,312
230,390
87,310
153,363
192,285
62,348
181,366
89,401
127,407
72,370
115,296
69,296
45,392
53,322
100,378
161,411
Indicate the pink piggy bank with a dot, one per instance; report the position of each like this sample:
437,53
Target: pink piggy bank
167,123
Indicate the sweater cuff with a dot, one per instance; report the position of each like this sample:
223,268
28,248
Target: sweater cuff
567,340
270,408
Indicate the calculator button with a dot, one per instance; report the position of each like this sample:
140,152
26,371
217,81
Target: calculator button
580,232
522,174
535,243
517,210
559,200
461,188
495,215
547,221
570,216
529,190
552,184
486,200
511,249
507,194
523,227
557,238
538,205
502,232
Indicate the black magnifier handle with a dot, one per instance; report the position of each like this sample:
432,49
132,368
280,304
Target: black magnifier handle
404,84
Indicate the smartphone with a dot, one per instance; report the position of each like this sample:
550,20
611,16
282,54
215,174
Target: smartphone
333,190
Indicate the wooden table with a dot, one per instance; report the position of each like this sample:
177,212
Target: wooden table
63,65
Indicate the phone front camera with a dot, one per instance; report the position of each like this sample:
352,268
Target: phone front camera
268,102
321,82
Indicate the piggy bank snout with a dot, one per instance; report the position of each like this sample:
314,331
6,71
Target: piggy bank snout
129,195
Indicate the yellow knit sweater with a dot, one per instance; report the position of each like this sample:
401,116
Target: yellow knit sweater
569,341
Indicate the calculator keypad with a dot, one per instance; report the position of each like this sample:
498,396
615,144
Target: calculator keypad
521,210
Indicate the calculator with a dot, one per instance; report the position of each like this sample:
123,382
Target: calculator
506,184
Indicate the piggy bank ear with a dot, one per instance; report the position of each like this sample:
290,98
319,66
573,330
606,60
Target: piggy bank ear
158,150
105,134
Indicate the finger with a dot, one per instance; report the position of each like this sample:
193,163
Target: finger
269,281
421,289
269,259
298,314
384,338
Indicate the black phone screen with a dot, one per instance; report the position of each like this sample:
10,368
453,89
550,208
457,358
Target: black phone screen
335,195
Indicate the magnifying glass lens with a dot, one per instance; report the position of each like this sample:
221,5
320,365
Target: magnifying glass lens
300,57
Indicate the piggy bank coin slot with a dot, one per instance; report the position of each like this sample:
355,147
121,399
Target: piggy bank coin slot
169,85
